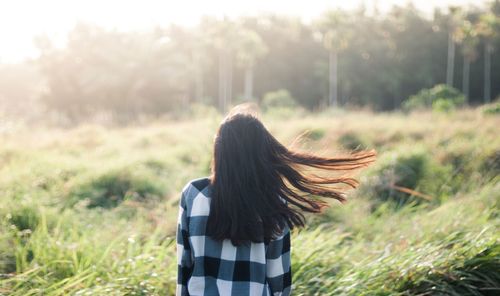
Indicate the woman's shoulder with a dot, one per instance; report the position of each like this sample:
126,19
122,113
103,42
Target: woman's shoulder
196,186
196,197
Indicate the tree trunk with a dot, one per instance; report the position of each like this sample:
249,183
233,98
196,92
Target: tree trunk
451,60
249,83
333,80
465,79
229,95
222,80
198,83
200,87
487,73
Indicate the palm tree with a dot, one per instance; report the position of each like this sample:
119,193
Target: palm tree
487,29
250,48
192,46
199,64
453,24
467,37
334,33
223,35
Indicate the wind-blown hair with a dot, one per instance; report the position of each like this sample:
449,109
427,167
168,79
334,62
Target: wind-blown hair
253,174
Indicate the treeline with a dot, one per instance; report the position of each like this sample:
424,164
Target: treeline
343,58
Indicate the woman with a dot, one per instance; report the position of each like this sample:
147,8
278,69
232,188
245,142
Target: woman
233,235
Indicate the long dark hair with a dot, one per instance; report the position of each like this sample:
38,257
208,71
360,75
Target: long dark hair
259,186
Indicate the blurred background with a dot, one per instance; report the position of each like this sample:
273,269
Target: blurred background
117,61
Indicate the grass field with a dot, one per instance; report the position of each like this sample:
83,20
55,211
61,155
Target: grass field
92,210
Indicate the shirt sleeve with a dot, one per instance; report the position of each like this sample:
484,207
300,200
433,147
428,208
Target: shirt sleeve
278,268
184,259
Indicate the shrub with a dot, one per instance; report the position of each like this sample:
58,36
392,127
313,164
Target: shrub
24,218
443,105
477,275
109,189
491,109
278,99
441,97
21,221
490,165
314,134
463,161
408,178
352,141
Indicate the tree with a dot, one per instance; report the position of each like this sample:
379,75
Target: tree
335,35
467,36
193,44
374,61
250,48
224,36
116,73
453,23
488,30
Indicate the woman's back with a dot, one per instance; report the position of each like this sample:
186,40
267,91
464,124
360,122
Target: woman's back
214,267
234,227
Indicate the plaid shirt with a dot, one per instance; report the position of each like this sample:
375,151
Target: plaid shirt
210,267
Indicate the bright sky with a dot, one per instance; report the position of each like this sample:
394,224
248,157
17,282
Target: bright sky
21,20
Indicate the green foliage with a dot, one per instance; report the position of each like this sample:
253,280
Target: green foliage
413,170
491,109
490,165
72,259
111,188
467,278
278,99
441,98
412,252
464,162
24,217
126,76
443,105
314,134
353,141
7,251
449,248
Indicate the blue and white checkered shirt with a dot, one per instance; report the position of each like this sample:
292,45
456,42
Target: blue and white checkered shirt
210,267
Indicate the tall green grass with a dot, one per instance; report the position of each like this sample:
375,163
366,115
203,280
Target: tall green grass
92,211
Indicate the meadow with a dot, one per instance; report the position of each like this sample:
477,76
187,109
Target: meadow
92,210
